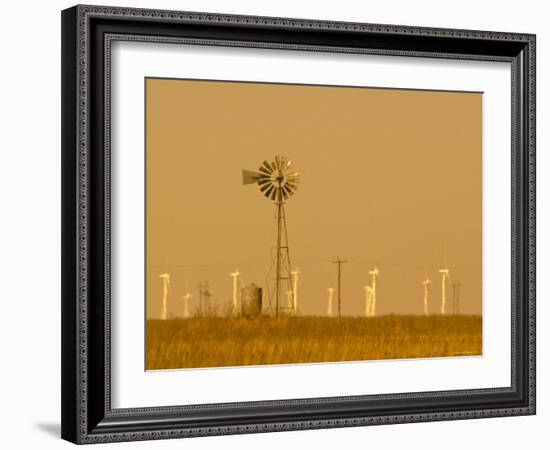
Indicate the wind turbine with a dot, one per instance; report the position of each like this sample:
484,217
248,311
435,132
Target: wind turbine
426,283
289,295
374,274
368,301
444,277
166,282
294,274
330,296
235,276
186,299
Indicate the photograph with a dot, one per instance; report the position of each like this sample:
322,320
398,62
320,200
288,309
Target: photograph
299,223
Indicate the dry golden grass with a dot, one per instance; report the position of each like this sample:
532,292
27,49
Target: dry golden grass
216,342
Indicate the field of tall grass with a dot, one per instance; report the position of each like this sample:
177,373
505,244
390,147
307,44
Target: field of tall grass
216,342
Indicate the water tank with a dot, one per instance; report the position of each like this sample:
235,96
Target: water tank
251,300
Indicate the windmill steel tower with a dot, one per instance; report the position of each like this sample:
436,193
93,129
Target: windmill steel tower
277,182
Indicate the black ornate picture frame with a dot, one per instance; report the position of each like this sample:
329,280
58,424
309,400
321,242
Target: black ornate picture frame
87,35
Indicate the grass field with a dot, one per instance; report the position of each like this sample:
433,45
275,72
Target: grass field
216,342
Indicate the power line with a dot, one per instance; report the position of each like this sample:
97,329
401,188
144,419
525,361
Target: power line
303,262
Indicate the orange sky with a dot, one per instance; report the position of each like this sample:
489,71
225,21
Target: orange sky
389,177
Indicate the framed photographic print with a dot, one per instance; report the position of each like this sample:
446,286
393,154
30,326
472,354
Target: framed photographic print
267,222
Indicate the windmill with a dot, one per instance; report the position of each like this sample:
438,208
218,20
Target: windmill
277,182
330,296
166,282
444,277
374,274
235,276
426,283
186,299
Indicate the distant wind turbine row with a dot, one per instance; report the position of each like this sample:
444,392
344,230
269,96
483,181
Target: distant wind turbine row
292,295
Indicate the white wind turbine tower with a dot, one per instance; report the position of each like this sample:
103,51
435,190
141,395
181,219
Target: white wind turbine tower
426,283
330,297
294,274
186,299
289,295
373,273
235,276
368,301
444,277
166,282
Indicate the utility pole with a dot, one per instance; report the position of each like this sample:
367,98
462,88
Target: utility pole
200,299
339,262
207,294
204,296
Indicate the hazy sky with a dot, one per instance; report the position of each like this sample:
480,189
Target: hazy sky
388,177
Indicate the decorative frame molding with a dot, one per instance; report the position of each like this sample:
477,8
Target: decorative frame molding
87,34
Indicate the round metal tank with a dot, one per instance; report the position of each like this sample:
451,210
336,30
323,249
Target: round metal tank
251,300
